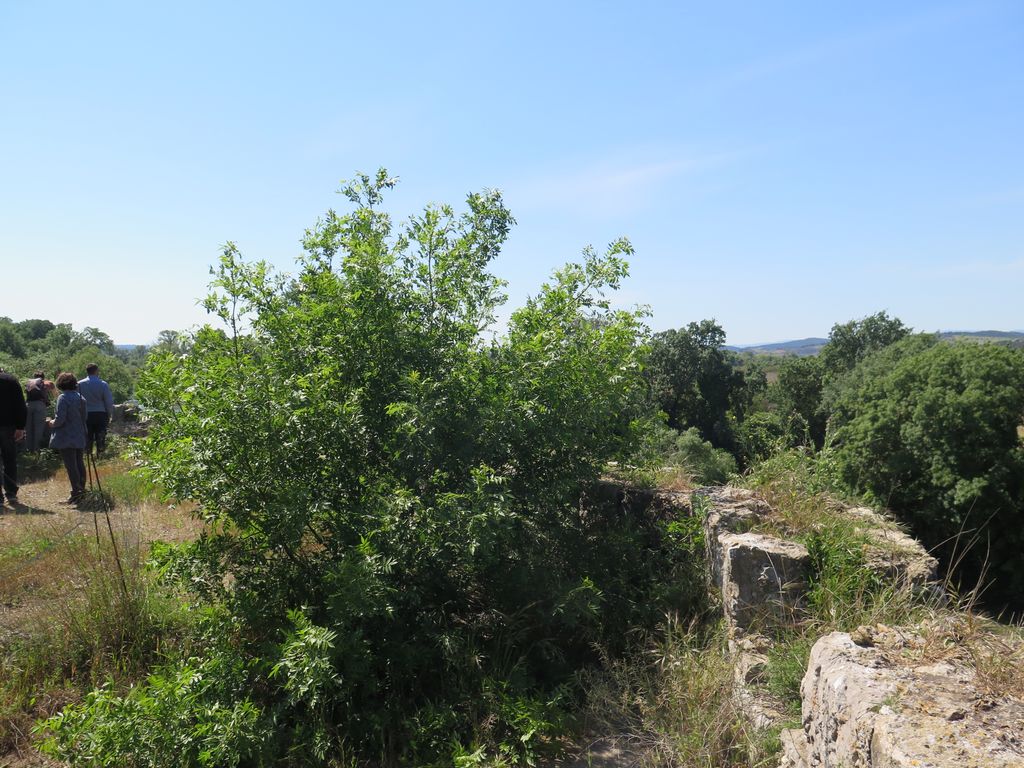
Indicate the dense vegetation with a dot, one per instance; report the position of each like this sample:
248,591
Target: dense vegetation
408,558
403,565
31,345
931,431
927,427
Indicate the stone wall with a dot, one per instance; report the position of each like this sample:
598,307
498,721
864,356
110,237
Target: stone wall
873,698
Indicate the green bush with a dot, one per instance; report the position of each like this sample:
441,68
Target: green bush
663,447
761,435
931,431
398,533
707,464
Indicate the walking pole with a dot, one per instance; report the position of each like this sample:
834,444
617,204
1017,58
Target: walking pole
95,471
88,465
95,521
110,527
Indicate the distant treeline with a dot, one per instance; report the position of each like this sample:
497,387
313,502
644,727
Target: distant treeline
31,345
814,345
928,425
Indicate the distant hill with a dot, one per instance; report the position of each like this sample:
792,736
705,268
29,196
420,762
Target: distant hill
1002,336
800,347
813,345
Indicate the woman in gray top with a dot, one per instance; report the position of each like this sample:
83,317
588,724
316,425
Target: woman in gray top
68,433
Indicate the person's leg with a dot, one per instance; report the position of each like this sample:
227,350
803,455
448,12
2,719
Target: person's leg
101,431
35,426
30,427
82,476
9,461
90,431
67,455
40,424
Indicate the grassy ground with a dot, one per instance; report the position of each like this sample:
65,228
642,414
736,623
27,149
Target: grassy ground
672,704
77,605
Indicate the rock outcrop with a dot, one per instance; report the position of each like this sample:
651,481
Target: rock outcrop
762,579
875,700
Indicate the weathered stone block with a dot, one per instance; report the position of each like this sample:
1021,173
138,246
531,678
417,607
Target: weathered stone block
875,706
794,749
728,510
764,580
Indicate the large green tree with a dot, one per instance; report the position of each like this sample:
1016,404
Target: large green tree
796,396
397,494
931,430
693,380
850,342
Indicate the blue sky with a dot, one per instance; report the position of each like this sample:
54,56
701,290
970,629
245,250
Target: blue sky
778,166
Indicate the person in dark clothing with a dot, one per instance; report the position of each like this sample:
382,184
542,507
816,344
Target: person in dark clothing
13,415
37,397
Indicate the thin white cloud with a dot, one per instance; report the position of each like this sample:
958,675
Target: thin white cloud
838,46
985,269
610,186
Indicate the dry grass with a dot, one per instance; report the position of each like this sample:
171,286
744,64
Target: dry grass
802,503
994,651
43,545
674,705
676,479
71,614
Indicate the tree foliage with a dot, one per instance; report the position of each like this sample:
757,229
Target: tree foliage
931,430
797,398
396,495
850,342
807,388
694,382
30,345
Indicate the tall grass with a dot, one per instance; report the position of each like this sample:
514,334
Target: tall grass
673,703
109,623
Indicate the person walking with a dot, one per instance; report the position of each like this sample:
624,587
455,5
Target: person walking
100,405
13,415
37,398
68,433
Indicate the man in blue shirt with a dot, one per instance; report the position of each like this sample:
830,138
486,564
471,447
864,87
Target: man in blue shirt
99,407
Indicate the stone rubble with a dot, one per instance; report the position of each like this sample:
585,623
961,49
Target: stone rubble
878,706
870,698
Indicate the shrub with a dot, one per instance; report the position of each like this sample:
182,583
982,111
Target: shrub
707,464
933,435
398,531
